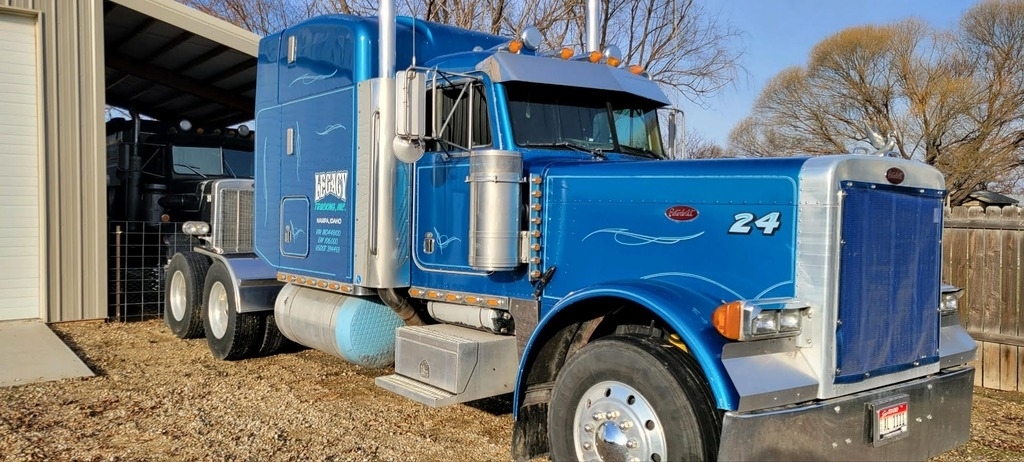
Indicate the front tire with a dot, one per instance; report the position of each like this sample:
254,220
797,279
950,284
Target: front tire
231,335
627,396
183,298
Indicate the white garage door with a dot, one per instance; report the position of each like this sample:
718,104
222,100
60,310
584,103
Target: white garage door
20,262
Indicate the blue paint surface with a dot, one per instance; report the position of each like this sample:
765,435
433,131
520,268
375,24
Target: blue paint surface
315,98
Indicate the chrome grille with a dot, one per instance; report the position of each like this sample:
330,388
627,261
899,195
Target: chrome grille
233,216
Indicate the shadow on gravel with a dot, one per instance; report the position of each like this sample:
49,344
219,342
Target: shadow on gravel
70,342
500,405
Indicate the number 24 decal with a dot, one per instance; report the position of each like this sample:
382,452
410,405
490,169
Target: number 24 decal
768,224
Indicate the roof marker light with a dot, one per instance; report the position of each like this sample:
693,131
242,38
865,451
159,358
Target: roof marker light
566,53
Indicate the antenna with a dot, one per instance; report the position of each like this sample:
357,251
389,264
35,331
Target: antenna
414,40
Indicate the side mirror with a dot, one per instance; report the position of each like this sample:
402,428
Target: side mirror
672,129
676,118
410,112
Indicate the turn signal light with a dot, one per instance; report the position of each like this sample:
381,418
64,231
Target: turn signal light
728,320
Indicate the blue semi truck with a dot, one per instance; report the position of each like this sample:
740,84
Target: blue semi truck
498,219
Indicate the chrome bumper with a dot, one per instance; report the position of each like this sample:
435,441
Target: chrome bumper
939,419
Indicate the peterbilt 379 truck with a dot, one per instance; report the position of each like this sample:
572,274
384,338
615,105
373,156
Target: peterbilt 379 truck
496,218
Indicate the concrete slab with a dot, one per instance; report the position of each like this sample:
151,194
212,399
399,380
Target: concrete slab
30,352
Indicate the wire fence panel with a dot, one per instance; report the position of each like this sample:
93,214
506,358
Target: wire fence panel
138,253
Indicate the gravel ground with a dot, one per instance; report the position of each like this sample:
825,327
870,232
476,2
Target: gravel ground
156,397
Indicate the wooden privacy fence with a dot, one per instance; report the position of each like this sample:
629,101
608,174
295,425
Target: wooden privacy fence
982,251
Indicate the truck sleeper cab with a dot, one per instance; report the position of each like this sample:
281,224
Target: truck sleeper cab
516,228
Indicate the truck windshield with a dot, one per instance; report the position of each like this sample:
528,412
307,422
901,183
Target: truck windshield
212,161
573,118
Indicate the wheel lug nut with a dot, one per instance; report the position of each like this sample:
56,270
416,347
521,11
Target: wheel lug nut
588,428
612,415
598,415
587,445
631,444
626,425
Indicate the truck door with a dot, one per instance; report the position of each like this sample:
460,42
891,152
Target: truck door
441,230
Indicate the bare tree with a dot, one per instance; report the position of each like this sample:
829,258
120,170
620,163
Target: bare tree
955,99
700,147
680,43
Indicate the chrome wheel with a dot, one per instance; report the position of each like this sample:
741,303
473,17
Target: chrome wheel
217,309
178,296
614,422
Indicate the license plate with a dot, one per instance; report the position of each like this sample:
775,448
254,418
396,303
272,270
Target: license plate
890,420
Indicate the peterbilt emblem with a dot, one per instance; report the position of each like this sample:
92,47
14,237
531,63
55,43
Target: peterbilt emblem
424,369
681,213
895,175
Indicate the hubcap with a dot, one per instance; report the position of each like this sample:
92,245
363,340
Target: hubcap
217,307
179,299
614,422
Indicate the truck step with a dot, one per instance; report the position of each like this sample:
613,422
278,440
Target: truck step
416,391
444,364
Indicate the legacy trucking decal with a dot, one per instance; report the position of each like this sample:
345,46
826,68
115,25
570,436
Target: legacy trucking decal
330,184
329,196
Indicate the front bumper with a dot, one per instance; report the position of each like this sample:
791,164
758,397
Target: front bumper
939,419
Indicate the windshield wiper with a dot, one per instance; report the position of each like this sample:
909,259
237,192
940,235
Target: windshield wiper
191,167
568,144
639,152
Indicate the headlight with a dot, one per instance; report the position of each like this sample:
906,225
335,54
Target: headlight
195,228
948,302
760,319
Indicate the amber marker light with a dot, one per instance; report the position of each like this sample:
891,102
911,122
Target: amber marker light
595,56
613,61
636,69
515,46
566,53
727,319
165,218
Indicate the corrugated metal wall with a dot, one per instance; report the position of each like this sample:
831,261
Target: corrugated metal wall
73,85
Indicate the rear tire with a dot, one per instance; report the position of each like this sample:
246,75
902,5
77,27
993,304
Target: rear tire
231,335
628,396
183,295
273,339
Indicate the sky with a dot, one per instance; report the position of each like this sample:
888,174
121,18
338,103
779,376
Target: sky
777,34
